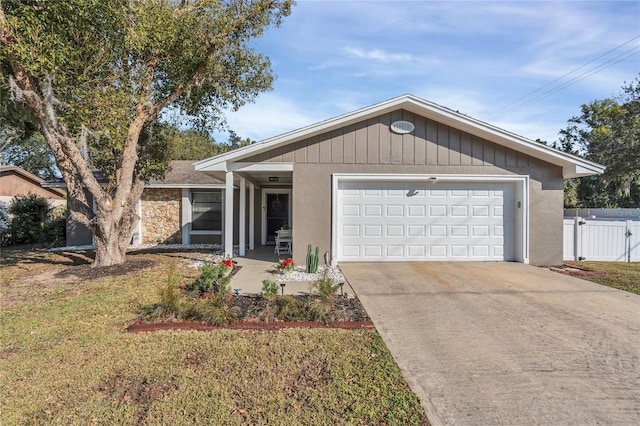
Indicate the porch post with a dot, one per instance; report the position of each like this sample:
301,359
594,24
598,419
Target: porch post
242,234
252,216
228,215
186,216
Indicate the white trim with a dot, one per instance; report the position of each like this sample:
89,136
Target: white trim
137,234
186,216
423,108
266,191
186,185
252,216
242,228
206,232
228,215
521,191
261,167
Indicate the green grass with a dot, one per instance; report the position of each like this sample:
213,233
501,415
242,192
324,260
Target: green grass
65,358
620,275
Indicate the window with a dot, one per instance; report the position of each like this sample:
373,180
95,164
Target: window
206,211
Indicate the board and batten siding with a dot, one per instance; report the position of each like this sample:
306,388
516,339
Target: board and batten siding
372,142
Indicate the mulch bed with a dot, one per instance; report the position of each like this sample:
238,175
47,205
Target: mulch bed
576,271
348,311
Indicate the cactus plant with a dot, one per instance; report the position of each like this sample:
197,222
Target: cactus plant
312,260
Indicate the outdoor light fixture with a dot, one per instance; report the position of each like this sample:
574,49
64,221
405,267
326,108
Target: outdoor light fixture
282,287
341,290
236,291
273,178
432,179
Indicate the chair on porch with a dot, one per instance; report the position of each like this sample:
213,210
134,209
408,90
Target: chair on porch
283,241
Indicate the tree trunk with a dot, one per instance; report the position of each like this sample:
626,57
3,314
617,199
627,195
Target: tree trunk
112,236
108,252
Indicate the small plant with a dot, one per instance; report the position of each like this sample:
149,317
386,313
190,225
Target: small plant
288,308
170,299
326,289
312,260
269,289
228,263
169,305
212,278
286,265
209,309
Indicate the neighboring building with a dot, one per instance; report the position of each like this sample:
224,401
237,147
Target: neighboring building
404,179
16,181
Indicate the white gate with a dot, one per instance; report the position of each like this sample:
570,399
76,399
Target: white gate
605,240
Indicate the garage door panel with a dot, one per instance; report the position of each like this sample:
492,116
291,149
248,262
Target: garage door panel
447,221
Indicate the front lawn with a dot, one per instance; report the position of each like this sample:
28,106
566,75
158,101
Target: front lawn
620,275
65,357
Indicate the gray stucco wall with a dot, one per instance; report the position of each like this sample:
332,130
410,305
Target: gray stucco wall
312,206
432,148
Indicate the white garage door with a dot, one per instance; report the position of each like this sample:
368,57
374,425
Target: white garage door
399,221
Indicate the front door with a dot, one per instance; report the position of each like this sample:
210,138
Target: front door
277,214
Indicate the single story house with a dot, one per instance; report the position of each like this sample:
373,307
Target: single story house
16,181
405,179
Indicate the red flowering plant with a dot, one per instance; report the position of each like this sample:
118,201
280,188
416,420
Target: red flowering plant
228,263
286,264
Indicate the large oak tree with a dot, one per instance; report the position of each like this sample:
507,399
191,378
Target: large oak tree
93,76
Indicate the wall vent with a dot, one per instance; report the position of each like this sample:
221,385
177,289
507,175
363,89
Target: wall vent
402,127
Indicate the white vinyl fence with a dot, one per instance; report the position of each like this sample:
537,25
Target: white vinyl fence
601,239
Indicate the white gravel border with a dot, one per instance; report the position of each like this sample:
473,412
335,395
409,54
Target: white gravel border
216,247
298,274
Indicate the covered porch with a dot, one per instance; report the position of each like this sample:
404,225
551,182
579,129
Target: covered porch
257,202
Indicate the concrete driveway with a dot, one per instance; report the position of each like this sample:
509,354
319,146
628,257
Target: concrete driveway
507,343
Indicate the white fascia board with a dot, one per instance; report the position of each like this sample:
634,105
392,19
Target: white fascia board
186,185
417,106
261,167
506,138
383,177
214,163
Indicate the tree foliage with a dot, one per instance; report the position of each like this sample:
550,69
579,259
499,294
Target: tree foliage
31,154
607,132
93,77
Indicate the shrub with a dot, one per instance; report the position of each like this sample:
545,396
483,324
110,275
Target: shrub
326,289
33,222
212,279
5,226
288,308
169,305
209,310
269,289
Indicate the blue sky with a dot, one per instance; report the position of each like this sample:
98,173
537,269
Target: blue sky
485,59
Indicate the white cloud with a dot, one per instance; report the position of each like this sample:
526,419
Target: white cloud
473,57
379,55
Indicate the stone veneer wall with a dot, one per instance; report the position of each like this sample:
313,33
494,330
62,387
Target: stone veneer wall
161,216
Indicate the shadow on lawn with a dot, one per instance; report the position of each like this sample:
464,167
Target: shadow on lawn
40,255
77,264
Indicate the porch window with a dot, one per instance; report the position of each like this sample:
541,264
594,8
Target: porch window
206,211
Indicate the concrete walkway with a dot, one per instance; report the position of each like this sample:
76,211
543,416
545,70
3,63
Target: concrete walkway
507,343
259,265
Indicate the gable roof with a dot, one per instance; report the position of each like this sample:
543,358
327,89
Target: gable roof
31,178
181,174
572,165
